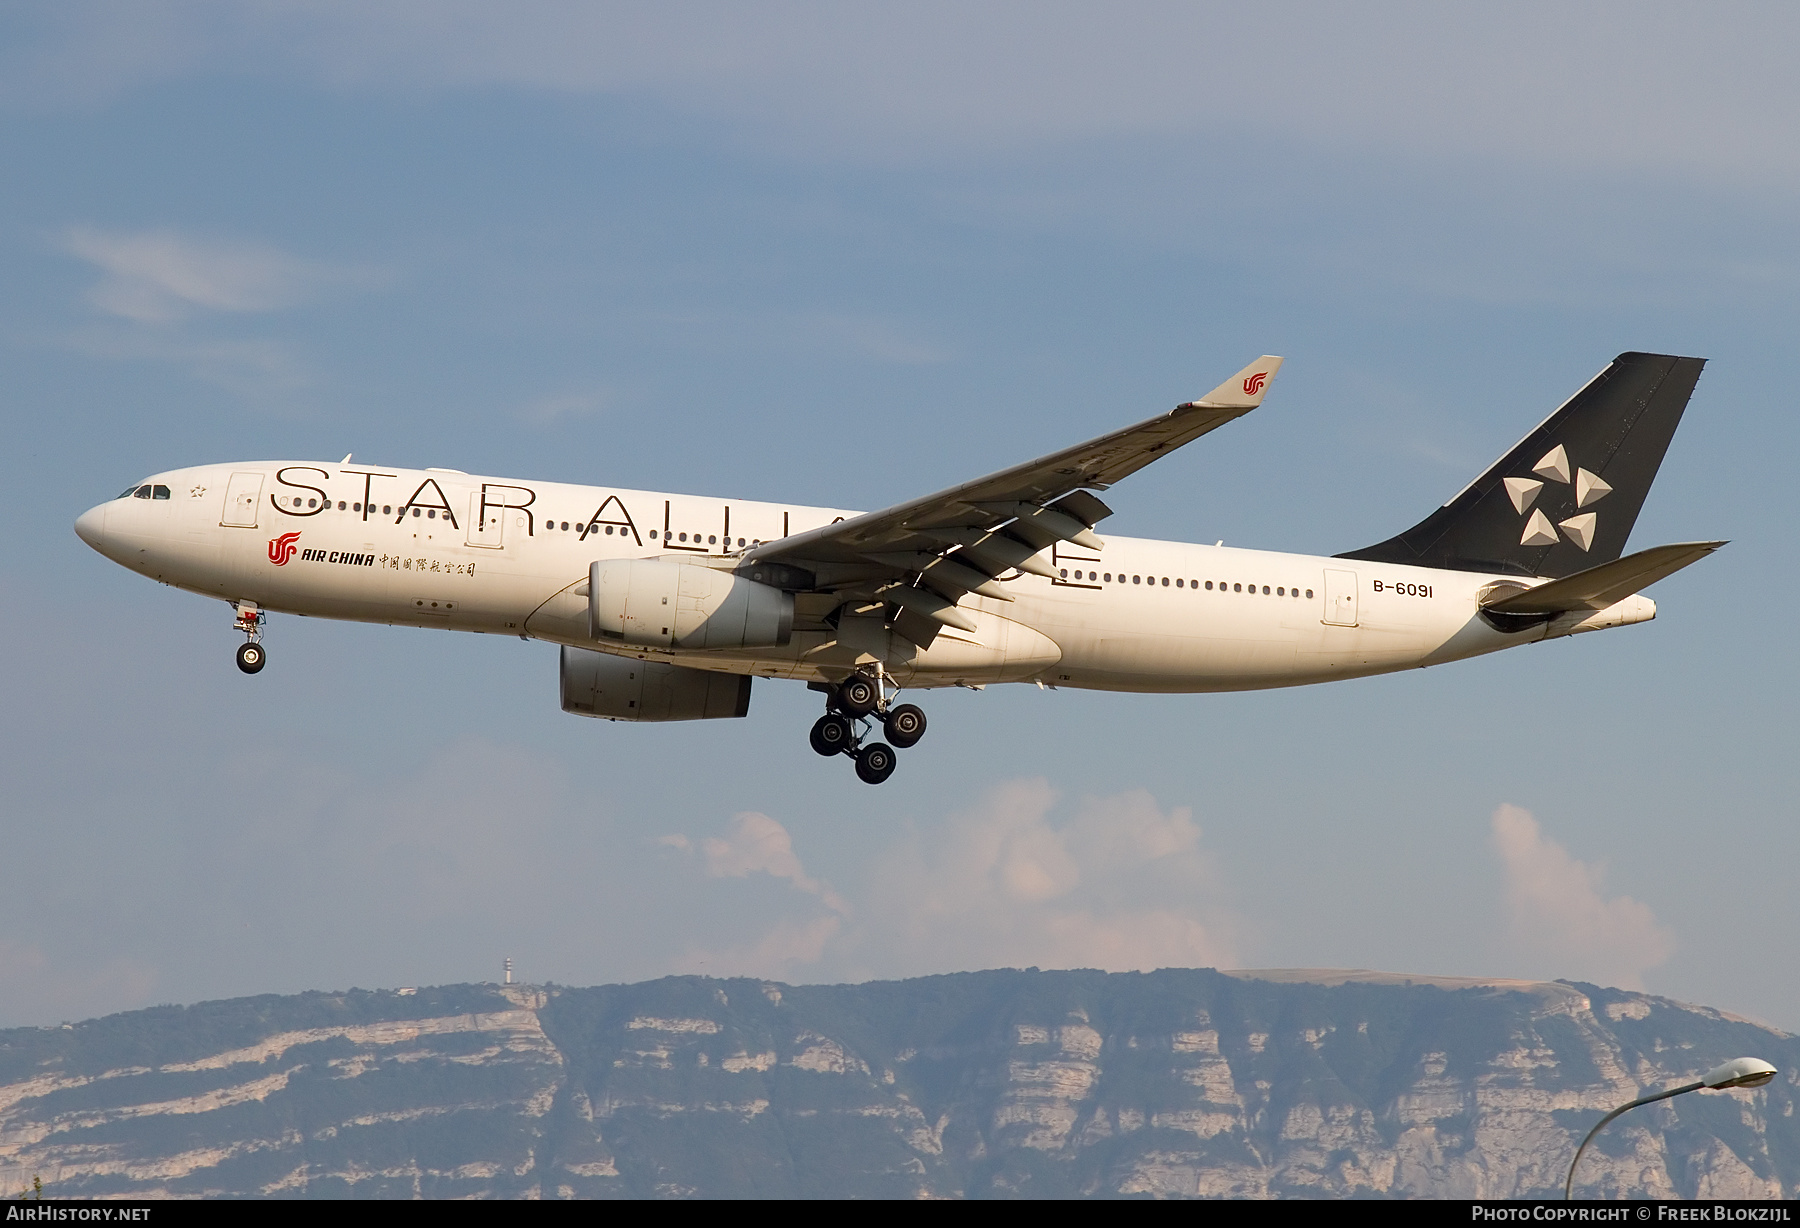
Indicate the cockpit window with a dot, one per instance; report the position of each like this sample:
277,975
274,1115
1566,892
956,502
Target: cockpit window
142,492
128,491
159,492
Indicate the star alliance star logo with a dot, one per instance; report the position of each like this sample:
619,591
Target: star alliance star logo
1554,467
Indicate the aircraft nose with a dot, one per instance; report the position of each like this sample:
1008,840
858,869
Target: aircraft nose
90,526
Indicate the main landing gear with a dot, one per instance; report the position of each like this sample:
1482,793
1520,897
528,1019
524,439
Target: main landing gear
855,704
251,656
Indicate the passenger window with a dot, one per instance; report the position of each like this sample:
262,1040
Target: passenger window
1237,588
1281,592
684,537
740,541
142,492
415,513
1309,592
1165,582
609,530
1137,579
1209,586
565,527
712,539
159,492
652,534
387,509
1265,590
430,513
1178,584
1109,577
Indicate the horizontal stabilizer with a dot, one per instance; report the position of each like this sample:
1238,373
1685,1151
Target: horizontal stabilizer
1605,585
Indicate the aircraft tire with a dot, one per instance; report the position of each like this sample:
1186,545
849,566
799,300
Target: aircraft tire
831,734
904,725
858,695
251,658
875,763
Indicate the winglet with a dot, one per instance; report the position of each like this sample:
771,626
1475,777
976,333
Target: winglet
1245,389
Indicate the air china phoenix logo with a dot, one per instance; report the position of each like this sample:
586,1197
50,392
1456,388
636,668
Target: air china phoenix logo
282,548
1254,384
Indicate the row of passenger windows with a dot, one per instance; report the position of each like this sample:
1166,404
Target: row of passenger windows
145,492
430,513
1106,577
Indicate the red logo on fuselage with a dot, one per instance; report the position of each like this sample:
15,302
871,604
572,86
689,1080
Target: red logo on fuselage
1254,384
282,548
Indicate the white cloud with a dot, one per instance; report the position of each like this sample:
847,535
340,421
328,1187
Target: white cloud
158,277
550,410
757,844
259,370
1559,916
1700,91
38,987
1121,884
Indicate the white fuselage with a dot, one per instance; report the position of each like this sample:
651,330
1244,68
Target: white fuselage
438,548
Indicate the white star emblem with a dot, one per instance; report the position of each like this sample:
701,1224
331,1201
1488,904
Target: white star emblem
1554,467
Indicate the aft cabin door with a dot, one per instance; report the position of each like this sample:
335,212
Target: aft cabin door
487,524
1340,598
241,498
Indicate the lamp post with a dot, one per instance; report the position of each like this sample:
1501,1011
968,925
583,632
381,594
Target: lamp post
1738,1072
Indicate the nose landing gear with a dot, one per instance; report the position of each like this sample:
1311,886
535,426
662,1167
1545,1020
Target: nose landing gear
854,704
251,656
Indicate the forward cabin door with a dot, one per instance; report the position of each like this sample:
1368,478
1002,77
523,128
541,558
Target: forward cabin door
241,499
1340,598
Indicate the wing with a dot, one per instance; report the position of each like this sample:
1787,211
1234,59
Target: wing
921,557
1598,587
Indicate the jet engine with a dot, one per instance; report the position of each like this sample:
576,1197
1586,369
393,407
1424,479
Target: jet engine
664,603
627,689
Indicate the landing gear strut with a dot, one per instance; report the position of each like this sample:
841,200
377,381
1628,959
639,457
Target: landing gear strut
251,656
854,704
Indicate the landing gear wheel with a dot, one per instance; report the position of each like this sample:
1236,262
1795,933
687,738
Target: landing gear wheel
858,695
831,734
251,658
904,725
875,763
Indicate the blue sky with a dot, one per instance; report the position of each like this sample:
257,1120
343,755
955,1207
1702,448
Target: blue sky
844,254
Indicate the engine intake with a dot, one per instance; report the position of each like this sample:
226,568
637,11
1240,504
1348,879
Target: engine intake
627,689
659,603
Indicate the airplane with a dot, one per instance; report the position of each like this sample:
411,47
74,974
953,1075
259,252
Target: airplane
666,607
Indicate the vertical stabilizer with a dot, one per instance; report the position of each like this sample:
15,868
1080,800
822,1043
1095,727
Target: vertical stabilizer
1566,497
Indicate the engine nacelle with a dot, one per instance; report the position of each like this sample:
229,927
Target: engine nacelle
661,603
627,689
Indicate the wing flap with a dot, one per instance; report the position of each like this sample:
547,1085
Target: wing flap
1605,585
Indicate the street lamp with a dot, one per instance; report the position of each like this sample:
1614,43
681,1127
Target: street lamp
1738,1072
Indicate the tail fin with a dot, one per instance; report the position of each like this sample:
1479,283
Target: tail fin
1566,497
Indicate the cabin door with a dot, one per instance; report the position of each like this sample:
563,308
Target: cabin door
1340,598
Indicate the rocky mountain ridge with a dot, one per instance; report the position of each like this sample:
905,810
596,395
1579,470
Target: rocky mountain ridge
1177,1083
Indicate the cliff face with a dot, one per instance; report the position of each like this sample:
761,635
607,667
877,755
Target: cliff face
1169,1084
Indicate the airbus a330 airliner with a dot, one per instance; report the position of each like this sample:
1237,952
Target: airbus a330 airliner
667,606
